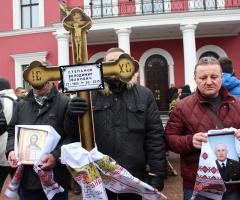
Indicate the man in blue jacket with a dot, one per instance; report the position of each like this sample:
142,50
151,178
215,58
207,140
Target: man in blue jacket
229,81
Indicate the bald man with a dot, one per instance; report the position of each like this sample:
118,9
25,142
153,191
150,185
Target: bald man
228,168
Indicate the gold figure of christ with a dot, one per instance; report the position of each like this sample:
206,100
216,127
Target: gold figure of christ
78,27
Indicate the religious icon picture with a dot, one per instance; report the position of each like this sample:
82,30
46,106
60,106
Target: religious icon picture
226,156
30,145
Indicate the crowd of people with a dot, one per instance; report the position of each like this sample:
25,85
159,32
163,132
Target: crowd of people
127,126
181,93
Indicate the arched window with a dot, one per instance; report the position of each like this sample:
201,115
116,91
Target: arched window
99,60
156,71
209,54
156,61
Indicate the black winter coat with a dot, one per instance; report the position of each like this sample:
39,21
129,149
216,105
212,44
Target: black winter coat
128,128
53,112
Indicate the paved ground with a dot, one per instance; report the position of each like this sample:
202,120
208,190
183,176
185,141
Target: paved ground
173,184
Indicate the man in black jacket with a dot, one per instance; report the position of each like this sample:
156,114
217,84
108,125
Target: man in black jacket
128,128
171,91
44,106
228,168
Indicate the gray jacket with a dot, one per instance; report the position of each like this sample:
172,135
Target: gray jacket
8,111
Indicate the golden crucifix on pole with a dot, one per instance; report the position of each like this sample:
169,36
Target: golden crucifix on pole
78,23
37,74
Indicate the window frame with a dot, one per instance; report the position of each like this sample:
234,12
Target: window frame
17,19
25,59
28,9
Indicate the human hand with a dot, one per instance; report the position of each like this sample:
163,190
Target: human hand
12,159
237,134
198,138
49,162
77,107
156,181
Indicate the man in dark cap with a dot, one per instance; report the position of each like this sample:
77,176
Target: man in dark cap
43,106
4,84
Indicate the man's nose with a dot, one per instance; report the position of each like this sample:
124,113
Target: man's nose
209,80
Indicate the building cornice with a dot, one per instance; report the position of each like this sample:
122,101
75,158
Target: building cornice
164,19
27,31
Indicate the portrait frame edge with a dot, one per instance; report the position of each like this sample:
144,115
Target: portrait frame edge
24,135
212,135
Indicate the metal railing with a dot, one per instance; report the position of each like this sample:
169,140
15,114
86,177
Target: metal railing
148,7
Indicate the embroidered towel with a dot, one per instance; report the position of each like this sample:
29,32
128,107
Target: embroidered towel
50,187
208,181
95,171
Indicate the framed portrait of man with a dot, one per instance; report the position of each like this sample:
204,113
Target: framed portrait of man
30,145
226,157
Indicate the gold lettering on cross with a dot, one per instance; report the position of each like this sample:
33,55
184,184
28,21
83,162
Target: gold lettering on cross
37,73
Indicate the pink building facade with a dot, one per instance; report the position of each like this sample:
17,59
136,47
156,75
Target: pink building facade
166,37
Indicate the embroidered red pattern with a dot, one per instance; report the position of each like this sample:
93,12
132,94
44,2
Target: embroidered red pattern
205,155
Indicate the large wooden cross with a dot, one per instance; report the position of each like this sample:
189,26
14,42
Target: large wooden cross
37,74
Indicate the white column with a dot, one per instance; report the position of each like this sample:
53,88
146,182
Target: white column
16,14
41,13
189,47
171,75
63,38
124,39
